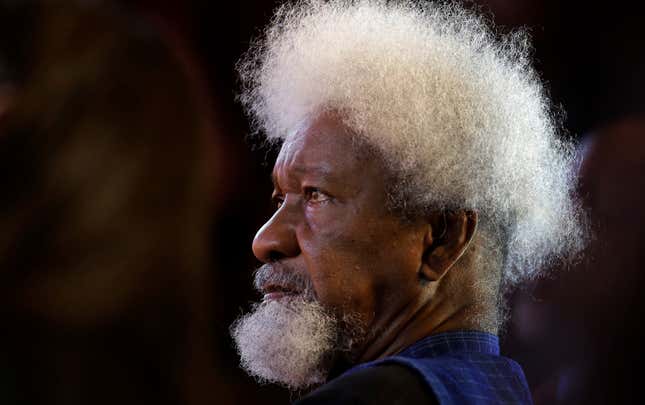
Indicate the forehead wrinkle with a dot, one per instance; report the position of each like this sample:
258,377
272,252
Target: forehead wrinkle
310,153
319,172
292,161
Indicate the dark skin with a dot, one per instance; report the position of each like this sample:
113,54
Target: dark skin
332,222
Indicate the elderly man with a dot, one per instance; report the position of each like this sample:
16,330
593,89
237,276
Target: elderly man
419,177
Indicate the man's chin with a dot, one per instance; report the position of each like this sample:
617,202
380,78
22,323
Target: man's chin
287,340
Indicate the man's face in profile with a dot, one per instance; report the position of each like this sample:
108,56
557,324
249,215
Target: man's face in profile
338,263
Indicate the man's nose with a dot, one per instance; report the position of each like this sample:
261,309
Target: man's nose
276,239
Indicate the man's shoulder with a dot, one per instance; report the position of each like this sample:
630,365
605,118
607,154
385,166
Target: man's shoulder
383,384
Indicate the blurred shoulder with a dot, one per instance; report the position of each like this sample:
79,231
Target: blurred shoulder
383,384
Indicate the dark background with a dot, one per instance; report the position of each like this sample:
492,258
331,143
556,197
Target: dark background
576,334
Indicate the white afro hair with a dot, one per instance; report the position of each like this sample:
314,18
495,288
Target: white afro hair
458,113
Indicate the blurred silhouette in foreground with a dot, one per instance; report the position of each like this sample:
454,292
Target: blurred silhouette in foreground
105,206
586,326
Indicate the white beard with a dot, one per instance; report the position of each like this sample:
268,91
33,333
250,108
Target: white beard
288,341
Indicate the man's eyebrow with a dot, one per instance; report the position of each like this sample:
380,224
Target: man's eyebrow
320,171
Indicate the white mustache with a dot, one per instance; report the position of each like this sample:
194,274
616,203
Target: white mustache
285,277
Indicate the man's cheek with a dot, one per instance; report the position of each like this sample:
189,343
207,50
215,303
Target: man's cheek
329,238
335,220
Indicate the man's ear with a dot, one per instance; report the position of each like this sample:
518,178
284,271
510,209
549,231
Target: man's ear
448,236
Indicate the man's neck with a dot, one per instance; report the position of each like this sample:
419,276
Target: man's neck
425,316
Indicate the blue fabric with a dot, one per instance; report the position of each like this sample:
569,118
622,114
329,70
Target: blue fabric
463,367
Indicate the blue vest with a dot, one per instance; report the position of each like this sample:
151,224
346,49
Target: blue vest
463,367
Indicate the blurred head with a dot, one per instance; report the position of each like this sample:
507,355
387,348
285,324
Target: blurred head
420,172
104,166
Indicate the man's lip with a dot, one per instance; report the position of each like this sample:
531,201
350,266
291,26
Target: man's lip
277,292
276,295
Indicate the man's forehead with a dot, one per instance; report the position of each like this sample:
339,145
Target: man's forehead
308,170
323,147
316,140
302,158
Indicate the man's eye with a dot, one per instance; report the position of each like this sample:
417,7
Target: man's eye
315,196
278,200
